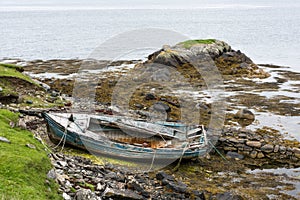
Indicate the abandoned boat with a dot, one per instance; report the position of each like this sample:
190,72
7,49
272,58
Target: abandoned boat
126,138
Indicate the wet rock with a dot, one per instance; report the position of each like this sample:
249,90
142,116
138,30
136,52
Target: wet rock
150,96
160,106
176,187
121,194
245,114
163,175
267,148
254,144
234,155
3,139
29,102
86,194
228,196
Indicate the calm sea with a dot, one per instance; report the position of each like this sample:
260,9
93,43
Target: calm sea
267,31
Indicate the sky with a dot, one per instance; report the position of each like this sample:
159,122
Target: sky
141,4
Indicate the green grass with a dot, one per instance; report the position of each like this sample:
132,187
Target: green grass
16,67
189,43
11,71
23,170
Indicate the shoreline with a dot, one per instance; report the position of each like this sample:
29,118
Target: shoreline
250,90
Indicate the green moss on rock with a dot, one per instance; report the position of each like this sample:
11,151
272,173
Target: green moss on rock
189,43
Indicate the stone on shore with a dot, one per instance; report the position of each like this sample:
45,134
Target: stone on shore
3,139
245,114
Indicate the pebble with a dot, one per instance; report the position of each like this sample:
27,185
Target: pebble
3,139
31,146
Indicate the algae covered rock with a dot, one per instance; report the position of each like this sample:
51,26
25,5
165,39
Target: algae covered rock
227,60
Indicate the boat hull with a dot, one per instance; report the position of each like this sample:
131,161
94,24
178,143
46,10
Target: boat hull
118,150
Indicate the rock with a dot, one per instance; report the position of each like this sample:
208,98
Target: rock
234,155
31,146
12,124
282,149
228,196
133,185
199,195
1,89
121,194
138,106
29,102
268,148
22,124
86,194
150,96
296,150
62,163
227,148
176,187
253,154
245,114
260,155
254,144
111,175
66,196
160,106
3,139
54,94
163,175
100,187
51,174
233,140
276,148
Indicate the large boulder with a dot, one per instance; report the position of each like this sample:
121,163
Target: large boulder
227,60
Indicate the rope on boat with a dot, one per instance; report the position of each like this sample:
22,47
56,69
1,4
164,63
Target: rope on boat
63,138
152,160
178,164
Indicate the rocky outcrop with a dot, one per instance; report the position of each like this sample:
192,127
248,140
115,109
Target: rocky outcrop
227,60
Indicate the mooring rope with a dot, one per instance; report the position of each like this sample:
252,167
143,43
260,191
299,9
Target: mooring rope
217,151
178,164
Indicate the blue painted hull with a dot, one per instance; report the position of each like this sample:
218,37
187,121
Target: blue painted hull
114,149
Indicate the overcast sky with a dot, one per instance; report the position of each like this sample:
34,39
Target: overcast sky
145,3
138,3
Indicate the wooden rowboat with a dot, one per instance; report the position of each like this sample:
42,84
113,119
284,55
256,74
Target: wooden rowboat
126,138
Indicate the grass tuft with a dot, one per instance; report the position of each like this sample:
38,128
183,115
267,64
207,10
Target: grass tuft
189,43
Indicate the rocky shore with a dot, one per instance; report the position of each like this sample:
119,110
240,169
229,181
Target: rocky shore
244,144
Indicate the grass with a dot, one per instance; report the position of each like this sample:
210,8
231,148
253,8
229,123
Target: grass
189,43
23,170
9,70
